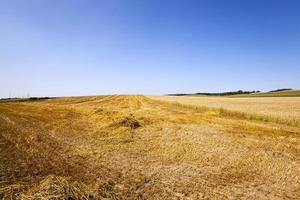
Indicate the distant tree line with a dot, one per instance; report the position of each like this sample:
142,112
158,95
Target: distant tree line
39,98
26,99
279,90
229,93
219,93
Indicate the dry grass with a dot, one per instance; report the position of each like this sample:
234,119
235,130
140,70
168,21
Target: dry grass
285,108
135,147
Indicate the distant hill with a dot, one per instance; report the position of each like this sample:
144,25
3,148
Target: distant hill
240,93
280,93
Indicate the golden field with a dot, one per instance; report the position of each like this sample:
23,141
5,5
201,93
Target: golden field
137,147
285,108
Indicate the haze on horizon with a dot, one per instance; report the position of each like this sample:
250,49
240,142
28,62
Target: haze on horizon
63,48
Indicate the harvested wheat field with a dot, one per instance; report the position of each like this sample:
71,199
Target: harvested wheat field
138,147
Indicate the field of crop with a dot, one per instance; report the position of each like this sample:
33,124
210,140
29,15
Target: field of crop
284,108
285,93
137,147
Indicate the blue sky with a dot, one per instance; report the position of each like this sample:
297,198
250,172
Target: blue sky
79,47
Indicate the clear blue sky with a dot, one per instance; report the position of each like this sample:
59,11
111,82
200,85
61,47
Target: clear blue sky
79,47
